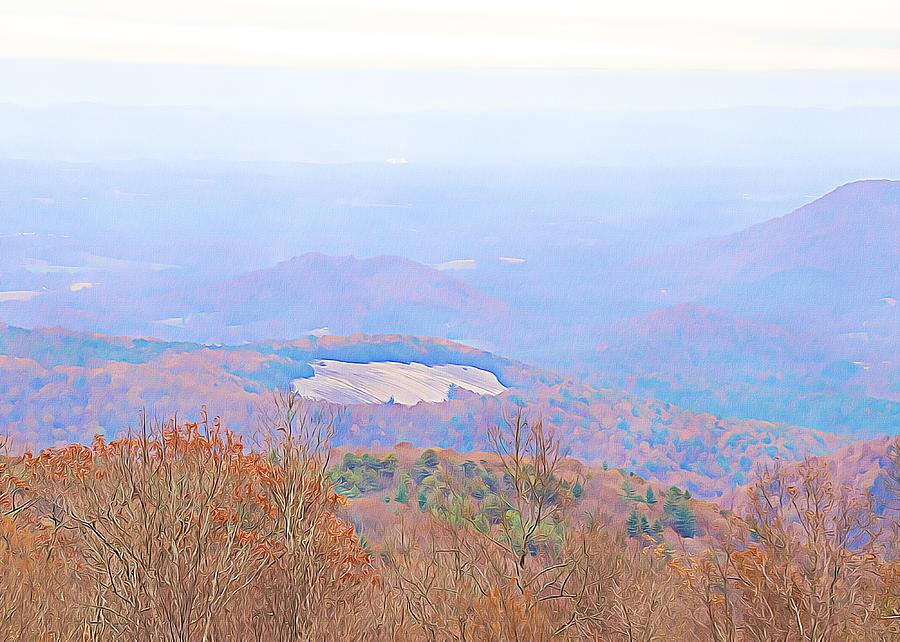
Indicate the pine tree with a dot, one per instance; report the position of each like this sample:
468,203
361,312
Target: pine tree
656,530
645,525
685,522
402,493
423,499
578,489
672,501
651,498
631,525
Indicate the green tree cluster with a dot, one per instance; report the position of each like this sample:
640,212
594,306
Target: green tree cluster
679,513
361,474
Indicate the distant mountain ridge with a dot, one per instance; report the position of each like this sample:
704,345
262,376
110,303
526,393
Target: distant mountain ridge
853,230
709,359
363,285
708,331
313,293
343,295
793,319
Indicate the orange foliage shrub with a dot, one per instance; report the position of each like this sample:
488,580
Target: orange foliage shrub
179,533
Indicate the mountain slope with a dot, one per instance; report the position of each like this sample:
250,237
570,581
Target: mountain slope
313,293
853,231
346,295
704,336
59,388
794,319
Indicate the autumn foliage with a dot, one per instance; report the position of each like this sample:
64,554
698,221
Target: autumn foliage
179,532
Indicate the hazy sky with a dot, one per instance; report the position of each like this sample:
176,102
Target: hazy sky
257,70
660,35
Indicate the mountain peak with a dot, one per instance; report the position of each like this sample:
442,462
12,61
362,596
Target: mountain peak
347,294
852,230
849,199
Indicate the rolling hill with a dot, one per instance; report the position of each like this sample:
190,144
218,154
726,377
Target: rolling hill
60,387
346,295
310,294
829,267
793,320
870,467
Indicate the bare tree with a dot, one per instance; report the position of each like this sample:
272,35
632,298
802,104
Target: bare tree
810,567
534,497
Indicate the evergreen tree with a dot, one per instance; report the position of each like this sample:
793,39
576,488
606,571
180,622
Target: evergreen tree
656,530
577,489
685,522
672,501
651,498
423,499
402,492
631,524
492,508
628,489
645,525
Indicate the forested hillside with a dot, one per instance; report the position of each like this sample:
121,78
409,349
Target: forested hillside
179,531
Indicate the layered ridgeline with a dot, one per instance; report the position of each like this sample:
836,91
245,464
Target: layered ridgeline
312,293
794,319
850,234
60,387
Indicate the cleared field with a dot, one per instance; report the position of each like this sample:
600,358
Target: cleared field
381,381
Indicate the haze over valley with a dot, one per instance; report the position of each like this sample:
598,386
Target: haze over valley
792,319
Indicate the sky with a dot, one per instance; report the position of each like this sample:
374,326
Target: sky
652,35
323,80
